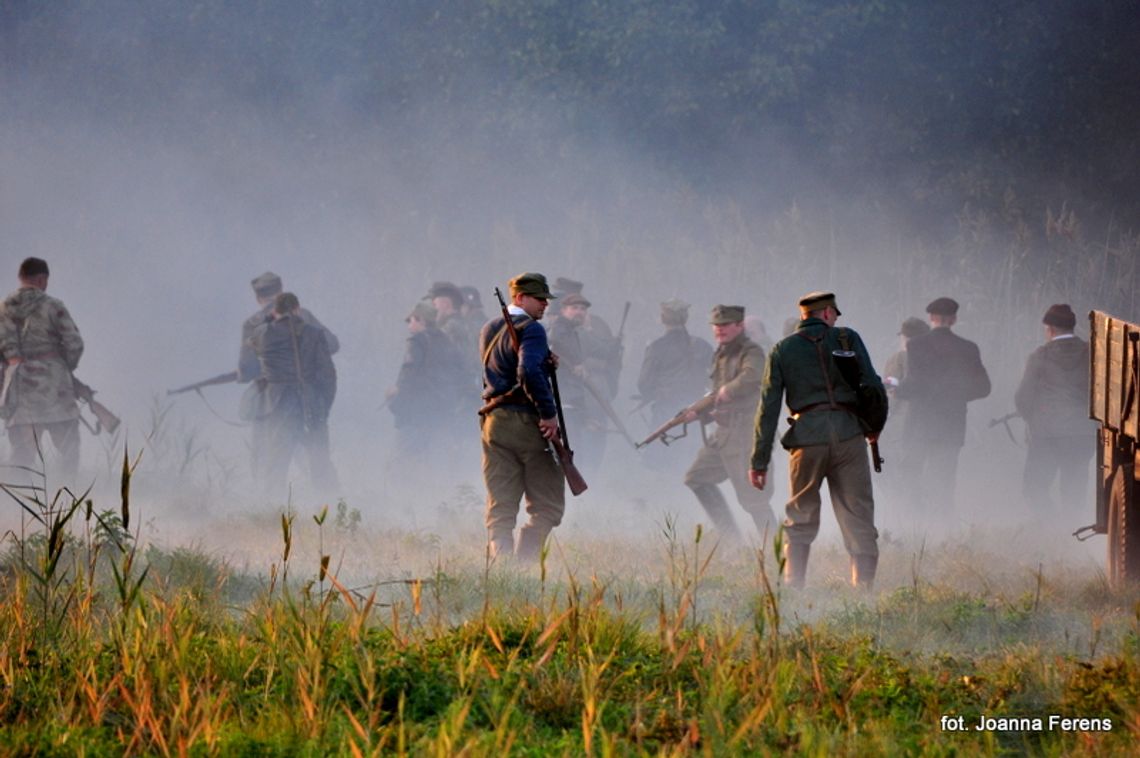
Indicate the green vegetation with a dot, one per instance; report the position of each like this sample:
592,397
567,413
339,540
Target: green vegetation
106,649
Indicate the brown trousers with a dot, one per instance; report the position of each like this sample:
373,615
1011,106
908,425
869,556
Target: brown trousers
518,464
847,470
27,441
726,456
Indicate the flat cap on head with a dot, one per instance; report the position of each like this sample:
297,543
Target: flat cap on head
726,314
913,327
943,306
33,267
286,303
817,301
563,286
266,285
424,311
1060,316
448,290
531,284
574,299
471,296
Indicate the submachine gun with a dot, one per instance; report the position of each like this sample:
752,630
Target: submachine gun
702,408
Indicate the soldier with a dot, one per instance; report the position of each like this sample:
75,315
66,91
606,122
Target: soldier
448,300
583,411
674,372
601,348
825,440
473,306
944,373
41,347
265,288
519,417
736,374
1053,399
894,371
425,399
298,388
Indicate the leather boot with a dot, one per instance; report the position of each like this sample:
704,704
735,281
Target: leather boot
501,546
716,507
863,569
531,540
795,564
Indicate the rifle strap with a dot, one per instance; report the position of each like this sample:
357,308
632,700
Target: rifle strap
818,342
300,375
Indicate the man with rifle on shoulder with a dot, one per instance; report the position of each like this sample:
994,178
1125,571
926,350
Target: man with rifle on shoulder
826,438
520,421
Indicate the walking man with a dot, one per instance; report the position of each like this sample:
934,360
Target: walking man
519,416
737,370
41,347
825,441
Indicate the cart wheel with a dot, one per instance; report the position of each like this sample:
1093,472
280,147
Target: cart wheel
1123,529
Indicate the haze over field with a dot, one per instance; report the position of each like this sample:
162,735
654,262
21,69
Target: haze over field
161,155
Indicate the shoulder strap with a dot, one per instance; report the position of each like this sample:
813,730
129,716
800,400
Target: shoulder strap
818,342
494,341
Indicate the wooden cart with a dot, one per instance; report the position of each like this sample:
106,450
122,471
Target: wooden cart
1114,386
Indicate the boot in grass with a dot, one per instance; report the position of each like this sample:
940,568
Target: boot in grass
795,564
863,569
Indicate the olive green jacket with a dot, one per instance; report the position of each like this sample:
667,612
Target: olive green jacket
824,403
738,366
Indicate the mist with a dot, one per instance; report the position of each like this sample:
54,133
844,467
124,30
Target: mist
160,156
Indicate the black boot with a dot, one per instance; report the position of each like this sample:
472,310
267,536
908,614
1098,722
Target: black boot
531,540
716,507
863,569
795,564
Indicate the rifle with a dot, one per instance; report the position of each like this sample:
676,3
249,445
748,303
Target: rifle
1004,421
702,407
607,407
560,443
219,379
104,419
848,364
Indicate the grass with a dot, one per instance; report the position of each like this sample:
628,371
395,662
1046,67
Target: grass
109,648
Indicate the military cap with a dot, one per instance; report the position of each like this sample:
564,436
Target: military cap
574,299
33,267
446,289
424,311
943,306
726,314
471,296
564,286
1060,316
913,327
266,285
531,284
285,303
817,301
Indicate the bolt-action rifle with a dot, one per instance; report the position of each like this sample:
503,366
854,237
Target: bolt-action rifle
226,378
104,419
702,408
561,442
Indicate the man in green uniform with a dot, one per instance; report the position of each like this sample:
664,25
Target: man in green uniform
825,441
518,418
41,347
736,374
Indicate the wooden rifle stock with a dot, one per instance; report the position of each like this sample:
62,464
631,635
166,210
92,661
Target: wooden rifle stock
876,458
103,416
701,408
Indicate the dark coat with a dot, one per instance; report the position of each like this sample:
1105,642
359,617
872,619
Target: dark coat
427,389
1053,396
675,372
944,373
297,372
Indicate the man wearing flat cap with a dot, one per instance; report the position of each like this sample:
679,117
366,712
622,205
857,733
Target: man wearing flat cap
518,418
41,347
737,369
944,373
675,370
266,288
579,373
1053,399
600,346
825,441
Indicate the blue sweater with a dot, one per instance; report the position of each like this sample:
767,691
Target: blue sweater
504,369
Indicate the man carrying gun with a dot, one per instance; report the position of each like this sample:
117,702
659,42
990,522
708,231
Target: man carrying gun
736,373
41,347
825,440
518,419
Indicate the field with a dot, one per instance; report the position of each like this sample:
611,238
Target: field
334,637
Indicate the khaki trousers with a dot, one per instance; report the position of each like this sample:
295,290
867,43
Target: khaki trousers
847,470
518,464
726,456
